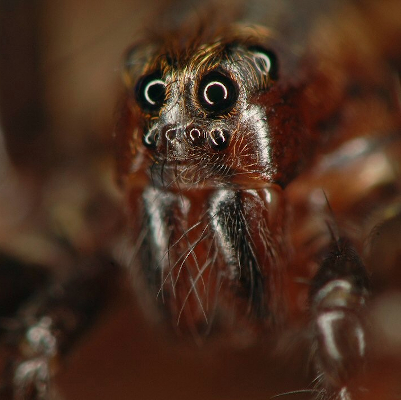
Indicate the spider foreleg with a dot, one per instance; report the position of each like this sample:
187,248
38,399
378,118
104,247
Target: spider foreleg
338,296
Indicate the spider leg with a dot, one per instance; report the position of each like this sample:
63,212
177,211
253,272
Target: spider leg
44,324
337,298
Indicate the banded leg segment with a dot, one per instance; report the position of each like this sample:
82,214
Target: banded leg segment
48,323
338,295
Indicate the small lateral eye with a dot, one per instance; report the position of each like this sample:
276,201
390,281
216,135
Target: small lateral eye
217,92
265,62
151,92
219,139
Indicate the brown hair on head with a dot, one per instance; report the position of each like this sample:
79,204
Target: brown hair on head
197,43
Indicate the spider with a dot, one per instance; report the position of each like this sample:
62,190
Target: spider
259,166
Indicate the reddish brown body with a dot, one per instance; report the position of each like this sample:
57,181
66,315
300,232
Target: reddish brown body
247,237
261,171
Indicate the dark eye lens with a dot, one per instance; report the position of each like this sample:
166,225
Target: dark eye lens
151,92
219,139
265,61
217,92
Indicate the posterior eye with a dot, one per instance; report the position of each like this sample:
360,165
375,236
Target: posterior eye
151,92
217,92
265,61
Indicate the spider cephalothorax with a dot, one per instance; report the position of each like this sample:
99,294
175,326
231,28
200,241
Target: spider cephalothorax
207,114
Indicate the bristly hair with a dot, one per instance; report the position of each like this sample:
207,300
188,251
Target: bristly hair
181,42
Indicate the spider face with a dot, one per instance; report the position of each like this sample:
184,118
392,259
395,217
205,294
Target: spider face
202,121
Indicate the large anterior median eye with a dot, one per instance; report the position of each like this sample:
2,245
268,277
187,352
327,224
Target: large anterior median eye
151,92
217,92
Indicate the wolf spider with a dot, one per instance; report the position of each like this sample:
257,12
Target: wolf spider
261,186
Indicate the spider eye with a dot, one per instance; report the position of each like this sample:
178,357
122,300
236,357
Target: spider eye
217,92
151,92
265,61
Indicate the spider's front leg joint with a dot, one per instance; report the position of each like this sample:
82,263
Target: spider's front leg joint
33,375
338,297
